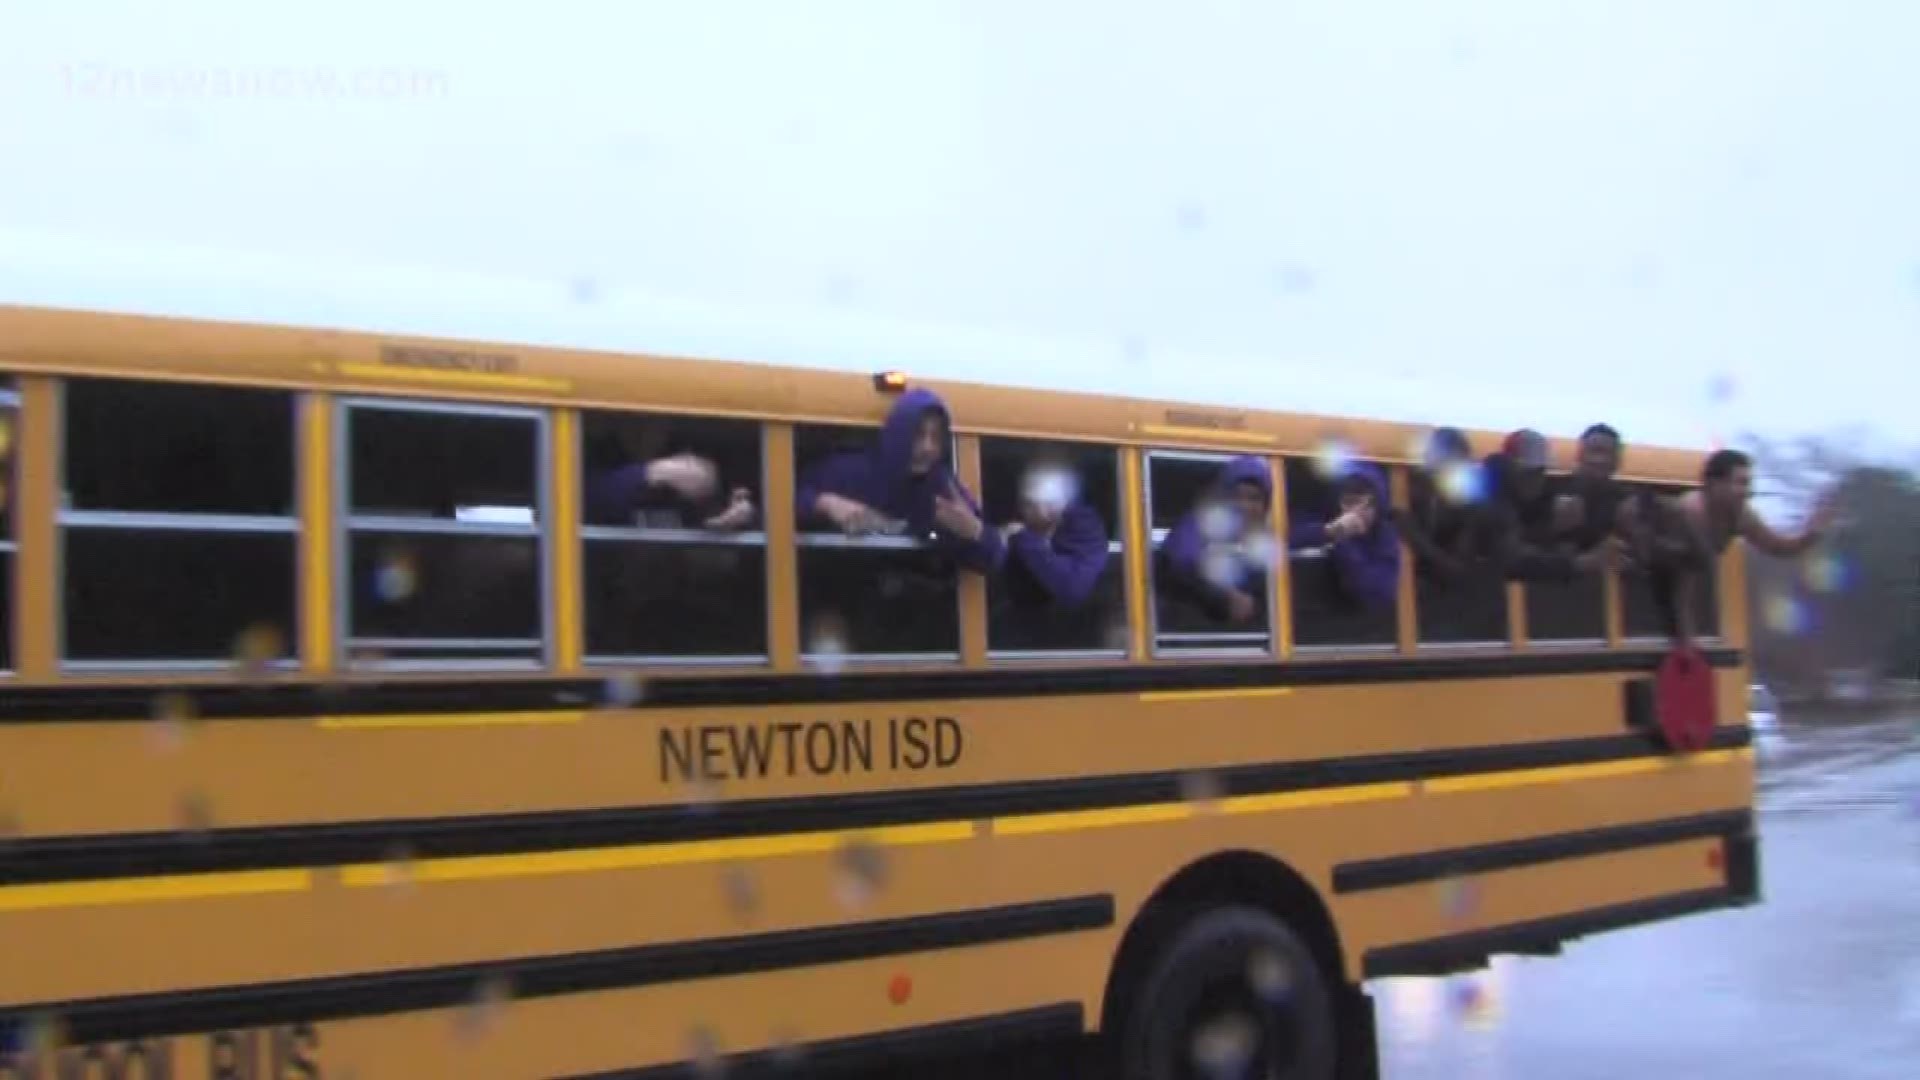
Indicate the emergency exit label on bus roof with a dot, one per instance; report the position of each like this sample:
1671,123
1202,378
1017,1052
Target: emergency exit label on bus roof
714,752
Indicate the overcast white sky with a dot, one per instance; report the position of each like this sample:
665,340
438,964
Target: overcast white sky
1504,210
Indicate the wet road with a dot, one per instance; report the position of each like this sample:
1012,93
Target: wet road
1822,980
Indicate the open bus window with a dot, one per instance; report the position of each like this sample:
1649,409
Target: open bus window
1062,592
444,514
1213,554
674,557
884,595
178,527
1640,615
9,490
1460,595
1329,610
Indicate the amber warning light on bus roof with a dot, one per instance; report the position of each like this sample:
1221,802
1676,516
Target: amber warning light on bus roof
890,382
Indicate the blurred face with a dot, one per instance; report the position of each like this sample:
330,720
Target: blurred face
1731,494
1354,500
929,444
1599,456
1250,503
1039,515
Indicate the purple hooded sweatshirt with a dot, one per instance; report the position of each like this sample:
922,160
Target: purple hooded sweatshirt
1185,548
881,478
1367,567
1067,565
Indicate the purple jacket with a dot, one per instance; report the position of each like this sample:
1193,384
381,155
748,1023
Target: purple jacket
1367,566
1185,546
880,477
1067,565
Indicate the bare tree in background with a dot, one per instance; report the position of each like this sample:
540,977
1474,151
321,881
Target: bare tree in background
1854,605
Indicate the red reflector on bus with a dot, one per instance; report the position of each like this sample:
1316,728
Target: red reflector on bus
1717,857
900,989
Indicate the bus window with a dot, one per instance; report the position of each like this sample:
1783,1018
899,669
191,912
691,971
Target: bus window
178,525
674,559
878,596
1058,593
1468,610
1213,553
1331,611
9,488
1571,612
1640,615
443,558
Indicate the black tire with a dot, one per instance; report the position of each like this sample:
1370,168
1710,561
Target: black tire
1223,976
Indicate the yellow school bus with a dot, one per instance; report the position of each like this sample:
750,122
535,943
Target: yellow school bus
342,735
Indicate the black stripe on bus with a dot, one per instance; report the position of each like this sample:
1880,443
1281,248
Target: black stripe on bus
899,1050
122,855
1396,870
1464,952
269,701
383,993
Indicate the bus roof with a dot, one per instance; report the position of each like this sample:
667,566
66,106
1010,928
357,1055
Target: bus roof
260,290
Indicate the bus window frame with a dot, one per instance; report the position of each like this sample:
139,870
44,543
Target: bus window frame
1358,649
543,655
1269,638
818,662
690,537
1668,489
166,521
1116,552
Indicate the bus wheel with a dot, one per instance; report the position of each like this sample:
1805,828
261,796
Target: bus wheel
1231,993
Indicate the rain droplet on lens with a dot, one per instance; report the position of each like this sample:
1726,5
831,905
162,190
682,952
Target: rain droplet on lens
623,691
1220,564
396,578
257,647
45,1036
703,795
1051,486
1333,459
1224,1047
861,872
827,642
1218,522
786,1050
1461,483
1203,789
1192,217
743,894
398,870
486,1008
1784,614
703,1050
1825,573
1270,975
584,290
1720,389
983,829
1294,280
194,814
1459,898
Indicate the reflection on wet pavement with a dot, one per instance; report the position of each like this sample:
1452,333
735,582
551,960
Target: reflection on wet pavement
1822,980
